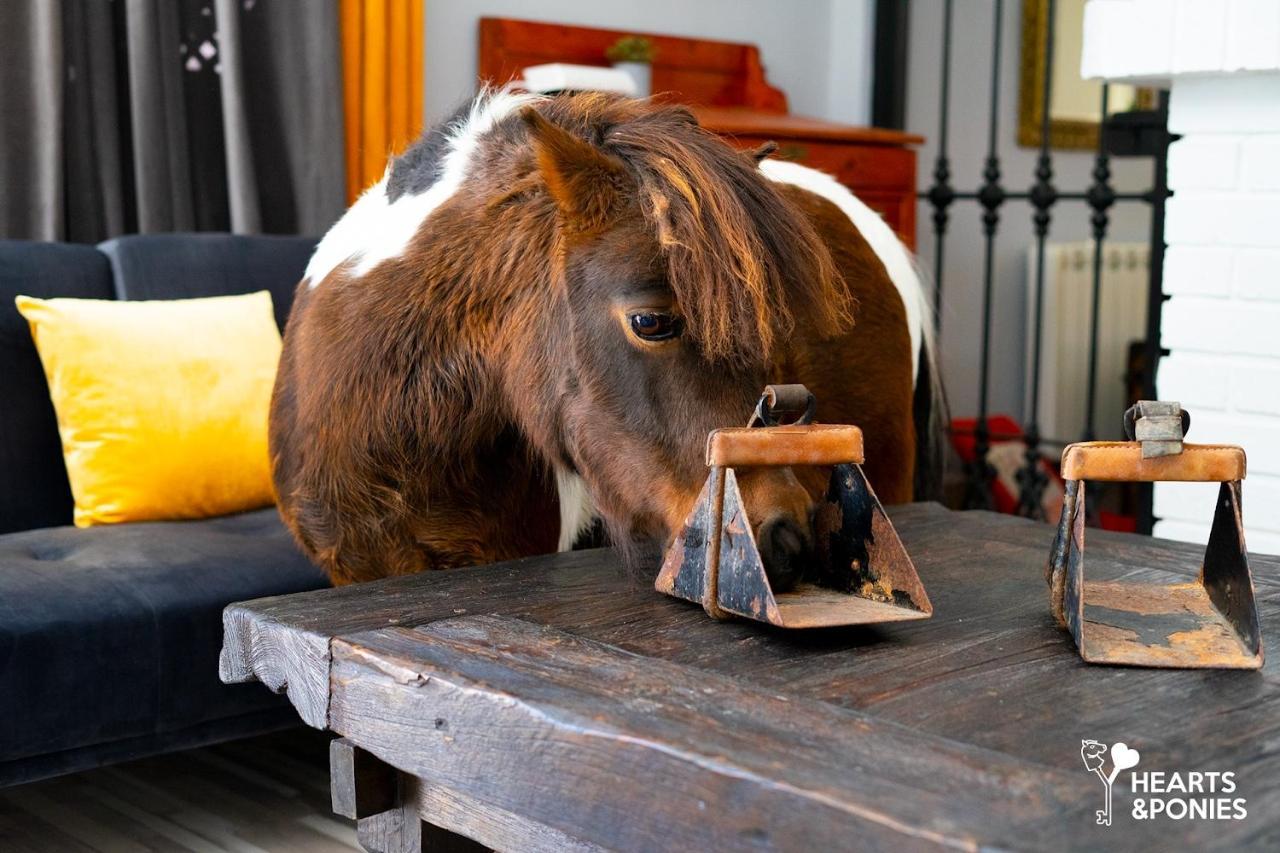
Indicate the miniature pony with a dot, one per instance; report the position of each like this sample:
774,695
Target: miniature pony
537,315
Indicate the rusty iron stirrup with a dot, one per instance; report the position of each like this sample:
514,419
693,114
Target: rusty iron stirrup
861,573
1211,622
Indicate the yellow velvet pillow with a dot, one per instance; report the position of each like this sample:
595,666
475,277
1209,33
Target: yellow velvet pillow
162,406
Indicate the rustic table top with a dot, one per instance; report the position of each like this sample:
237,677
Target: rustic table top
568,697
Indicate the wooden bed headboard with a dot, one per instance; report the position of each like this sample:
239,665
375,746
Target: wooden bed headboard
693,71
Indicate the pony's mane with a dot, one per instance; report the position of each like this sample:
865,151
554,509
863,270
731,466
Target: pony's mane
744,263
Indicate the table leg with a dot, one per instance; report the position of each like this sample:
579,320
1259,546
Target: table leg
402,829
384,804
397,830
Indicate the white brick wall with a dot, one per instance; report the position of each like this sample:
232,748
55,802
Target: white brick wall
1222,268
1222,271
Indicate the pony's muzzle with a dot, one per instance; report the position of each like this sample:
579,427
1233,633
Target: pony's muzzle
786,550
784,532
748,534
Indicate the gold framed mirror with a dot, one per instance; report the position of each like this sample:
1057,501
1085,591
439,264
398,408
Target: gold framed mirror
1075,104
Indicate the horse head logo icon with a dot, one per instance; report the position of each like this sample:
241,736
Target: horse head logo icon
1095,754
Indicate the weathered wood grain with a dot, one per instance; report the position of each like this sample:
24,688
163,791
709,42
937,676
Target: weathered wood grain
575,734
283,641
284,656
434,821
492,827
990,670
397,812
361,785
396,830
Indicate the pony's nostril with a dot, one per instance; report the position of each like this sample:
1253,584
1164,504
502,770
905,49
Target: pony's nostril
784,550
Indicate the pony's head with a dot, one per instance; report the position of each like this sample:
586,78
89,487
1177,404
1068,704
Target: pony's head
632,284
679,274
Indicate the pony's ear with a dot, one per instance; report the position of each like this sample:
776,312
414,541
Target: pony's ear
763,152
586,182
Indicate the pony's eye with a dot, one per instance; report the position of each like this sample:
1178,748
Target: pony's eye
656,326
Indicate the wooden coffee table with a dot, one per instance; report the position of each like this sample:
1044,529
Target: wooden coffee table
555,704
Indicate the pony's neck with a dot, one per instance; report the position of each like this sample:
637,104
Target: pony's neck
484,290
457,252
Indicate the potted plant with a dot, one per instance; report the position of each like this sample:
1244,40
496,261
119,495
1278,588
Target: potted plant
634,55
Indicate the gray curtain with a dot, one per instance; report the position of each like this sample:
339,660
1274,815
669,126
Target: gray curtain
31,74
121,116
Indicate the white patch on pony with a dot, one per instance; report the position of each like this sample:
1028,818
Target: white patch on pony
351,234
374,230
889,249
576,511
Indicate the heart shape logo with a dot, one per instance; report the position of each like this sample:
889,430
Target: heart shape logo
1122,757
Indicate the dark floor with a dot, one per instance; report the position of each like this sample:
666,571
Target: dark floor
262,794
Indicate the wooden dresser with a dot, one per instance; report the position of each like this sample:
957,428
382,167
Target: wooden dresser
724,83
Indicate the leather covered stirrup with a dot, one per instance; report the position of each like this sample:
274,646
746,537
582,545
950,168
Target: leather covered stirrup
1210,621
862,574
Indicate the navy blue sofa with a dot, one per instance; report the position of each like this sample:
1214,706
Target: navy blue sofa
109,636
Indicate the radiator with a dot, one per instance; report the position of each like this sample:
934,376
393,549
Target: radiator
1064,363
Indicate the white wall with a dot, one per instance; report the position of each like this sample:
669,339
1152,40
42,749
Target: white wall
817,51
850,61
1222,268
972,38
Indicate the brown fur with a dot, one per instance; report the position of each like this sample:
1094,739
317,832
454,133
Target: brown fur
420,409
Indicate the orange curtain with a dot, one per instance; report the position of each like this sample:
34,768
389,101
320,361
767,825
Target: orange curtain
381,84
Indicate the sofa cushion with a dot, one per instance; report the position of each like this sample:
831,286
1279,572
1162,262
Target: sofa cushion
162,404
181,266
114,632
33,480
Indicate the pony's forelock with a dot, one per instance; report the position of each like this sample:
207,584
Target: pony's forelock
745,265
